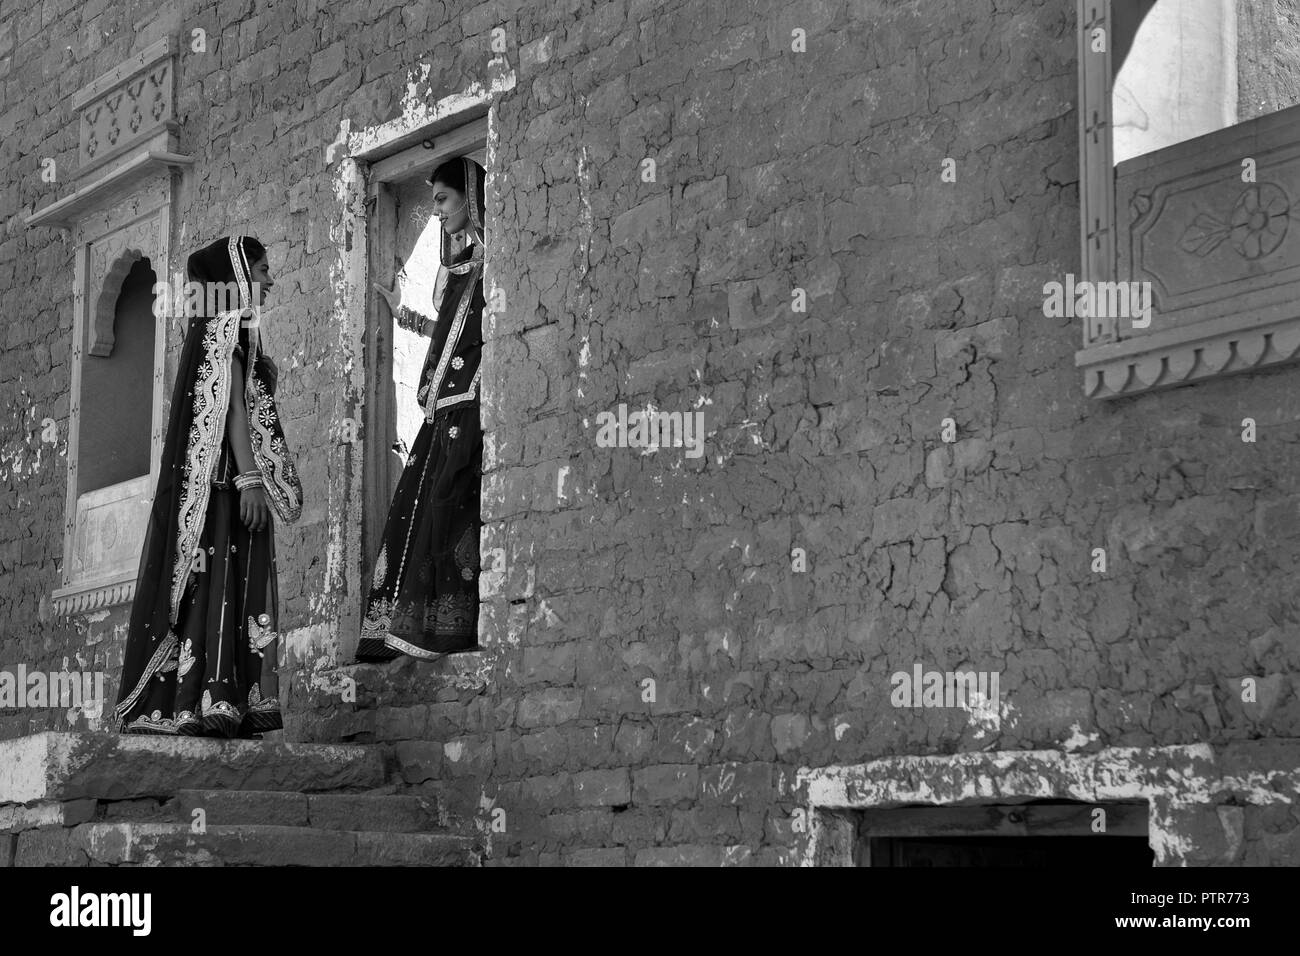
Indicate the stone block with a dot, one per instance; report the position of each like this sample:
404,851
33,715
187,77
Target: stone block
602,856
418,760
231,807
669,783
553,705
680,856
602,788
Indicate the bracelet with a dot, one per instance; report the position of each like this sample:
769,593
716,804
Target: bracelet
249,479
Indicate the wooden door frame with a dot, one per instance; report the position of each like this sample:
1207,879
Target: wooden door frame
381,466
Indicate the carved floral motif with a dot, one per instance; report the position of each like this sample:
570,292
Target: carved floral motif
1256,225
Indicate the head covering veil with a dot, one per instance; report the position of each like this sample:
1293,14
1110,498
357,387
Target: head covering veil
467,177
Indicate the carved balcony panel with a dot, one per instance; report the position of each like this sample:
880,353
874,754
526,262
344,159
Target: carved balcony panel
107,535
1207,222
1206,240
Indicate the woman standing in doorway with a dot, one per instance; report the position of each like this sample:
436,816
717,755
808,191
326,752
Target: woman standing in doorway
201,651
424,595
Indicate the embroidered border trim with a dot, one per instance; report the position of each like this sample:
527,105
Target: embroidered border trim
181,725
397,644
160,657
449,347
280,475
466,396
211,400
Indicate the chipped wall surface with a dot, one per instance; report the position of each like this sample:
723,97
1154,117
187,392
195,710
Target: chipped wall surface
659,676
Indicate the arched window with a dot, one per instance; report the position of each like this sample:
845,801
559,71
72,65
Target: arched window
113,442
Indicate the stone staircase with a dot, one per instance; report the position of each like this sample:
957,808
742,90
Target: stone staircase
86,799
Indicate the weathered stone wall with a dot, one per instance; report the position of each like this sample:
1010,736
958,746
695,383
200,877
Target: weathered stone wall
774,170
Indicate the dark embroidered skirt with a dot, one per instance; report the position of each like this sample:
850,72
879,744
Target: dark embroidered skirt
216,675
424,594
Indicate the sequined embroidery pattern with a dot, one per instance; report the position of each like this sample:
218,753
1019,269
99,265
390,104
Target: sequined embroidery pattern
211,399
160,656
272,452
467,553
259,636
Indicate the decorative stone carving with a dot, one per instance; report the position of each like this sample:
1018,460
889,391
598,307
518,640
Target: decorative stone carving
1096,183
1176,362
128,135
109,529
127,105
94,598
1256,226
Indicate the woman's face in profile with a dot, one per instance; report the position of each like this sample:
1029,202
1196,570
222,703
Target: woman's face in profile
260,272
449,205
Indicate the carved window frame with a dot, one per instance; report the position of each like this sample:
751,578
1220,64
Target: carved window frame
1170,217
383,467
118,212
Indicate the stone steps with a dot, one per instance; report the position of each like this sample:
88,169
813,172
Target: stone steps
69,799
176,844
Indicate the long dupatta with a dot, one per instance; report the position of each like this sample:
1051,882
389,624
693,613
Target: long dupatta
195,431
445,342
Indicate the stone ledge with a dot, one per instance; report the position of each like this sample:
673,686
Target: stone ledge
55,766
82,598
396,813
101,191
174,844
15,817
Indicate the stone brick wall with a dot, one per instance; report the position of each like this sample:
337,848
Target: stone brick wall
774,170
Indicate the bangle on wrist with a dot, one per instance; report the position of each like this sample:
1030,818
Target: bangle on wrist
249,479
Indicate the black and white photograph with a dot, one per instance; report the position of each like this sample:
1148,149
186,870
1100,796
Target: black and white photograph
650,433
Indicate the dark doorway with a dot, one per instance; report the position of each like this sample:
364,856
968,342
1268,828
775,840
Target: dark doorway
1042,834
1012,851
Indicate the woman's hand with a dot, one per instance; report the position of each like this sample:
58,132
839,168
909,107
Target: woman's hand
392,296
254,510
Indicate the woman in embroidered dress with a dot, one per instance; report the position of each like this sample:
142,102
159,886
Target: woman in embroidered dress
424,596
201,652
